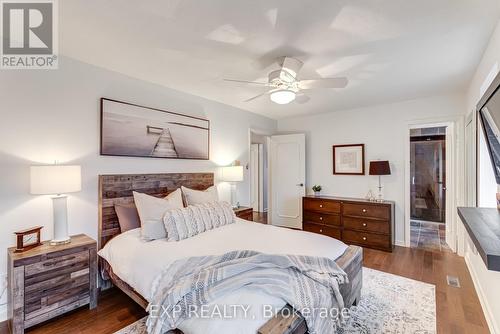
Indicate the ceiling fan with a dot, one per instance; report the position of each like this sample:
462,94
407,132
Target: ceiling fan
285,85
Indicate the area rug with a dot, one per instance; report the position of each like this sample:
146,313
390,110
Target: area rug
389,304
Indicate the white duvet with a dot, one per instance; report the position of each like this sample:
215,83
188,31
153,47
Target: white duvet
139,262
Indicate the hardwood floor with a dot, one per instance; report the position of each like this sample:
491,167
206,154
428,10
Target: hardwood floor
260,217
458,309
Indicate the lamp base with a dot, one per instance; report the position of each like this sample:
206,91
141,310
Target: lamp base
60,207
60,242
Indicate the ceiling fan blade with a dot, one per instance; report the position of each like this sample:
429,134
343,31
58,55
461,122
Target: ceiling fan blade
291,65
260,95
302,98
257,96
248,82
324,83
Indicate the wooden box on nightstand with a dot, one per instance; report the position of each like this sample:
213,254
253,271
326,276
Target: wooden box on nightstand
47,281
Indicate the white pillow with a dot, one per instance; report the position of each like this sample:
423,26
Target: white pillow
195,219
193,197
151,211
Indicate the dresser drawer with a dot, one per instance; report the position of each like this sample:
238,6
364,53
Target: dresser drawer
367,210
322,229
321,205
52,283
368,225
55,293
321,218
367,239
56,262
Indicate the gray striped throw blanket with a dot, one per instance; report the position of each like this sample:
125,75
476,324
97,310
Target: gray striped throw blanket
310,284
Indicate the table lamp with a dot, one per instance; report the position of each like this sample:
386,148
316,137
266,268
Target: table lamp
57,180
380,168
233,174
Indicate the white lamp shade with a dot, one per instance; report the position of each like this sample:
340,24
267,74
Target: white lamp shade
232,173
55,179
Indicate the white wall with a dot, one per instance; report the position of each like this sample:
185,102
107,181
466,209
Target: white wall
487,282
383,129
54,115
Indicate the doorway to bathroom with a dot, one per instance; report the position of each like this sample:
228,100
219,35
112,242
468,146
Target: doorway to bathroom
428,188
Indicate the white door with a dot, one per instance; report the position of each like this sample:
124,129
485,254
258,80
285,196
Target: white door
254,176
288,175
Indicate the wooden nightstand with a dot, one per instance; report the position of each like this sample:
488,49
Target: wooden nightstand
47,281
244,212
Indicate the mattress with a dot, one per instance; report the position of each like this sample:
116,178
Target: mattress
139,262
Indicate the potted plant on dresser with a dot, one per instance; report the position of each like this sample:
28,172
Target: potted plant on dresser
317,190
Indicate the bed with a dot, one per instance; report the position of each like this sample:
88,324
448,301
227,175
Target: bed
131,264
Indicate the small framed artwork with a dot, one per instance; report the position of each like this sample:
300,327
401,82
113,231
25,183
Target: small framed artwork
349,159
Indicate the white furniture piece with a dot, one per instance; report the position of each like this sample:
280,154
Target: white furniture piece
233,174
57,180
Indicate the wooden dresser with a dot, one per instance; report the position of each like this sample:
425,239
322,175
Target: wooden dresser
47,281
354,221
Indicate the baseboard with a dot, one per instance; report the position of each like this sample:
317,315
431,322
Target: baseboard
490,318
400,243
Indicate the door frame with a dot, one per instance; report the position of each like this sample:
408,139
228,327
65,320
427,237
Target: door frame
454,172
267,134
260,176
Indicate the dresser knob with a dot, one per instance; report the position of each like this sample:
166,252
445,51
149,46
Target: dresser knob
364,238
321,205
320,218
364,210
320,230
364,224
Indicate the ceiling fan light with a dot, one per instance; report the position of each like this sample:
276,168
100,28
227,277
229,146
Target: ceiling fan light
283,96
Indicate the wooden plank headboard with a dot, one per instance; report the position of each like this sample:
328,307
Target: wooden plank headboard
117,189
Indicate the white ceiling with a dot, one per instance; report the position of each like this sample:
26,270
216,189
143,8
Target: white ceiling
390,50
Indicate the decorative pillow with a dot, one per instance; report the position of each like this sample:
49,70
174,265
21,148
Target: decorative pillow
128,217
194,219
193,197
151,210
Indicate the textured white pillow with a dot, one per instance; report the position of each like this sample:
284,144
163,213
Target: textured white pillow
195,219
193,197
151,211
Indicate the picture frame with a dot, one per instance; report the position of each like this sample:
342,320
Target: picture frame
28,239
133,130
349,159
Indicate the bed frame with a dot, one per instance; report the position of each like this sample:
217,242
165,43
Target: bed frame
117,189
